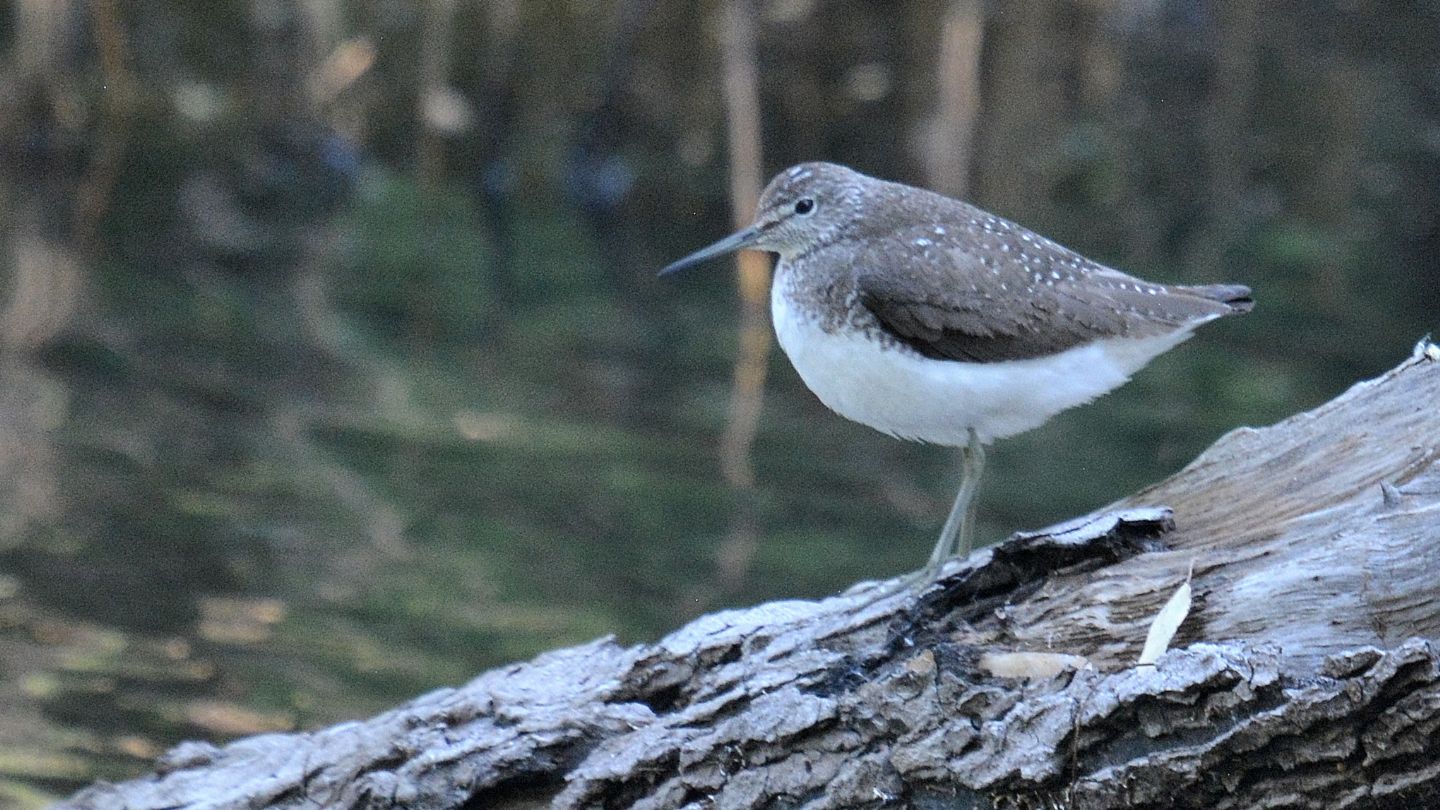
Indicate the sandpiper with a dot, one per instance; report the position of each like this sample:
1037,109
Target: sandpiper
929,319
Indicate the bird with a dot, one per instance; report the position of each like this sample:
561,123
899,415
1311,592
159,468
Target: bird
931,320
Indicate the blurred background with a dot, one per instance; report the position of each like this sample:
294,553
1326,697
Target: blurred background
333,367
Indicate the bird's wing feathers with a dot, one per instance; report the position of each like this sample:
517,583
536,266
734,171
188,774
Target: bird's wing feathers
1032,299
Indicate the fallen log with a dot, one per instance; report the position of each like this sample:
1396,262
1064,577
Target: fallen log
1302,674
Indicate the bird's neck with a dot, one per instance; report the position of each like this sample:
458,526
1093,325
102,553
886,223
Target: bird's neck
814,285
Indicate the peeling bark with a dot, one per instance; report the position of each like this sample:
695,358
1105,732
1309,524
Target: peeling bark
1302,676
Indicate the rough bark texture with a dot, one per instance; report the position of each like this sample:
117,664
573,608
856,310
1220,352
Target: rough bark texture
1302,676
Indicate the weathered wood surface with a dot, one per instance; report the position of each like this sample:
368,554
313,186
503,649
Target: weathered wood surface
1302,677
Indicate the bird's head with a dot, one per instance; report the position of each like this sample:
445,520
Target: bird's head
802,208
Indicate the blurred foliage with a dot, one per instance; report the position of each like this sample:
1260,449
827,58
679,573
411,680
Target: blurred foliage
335,369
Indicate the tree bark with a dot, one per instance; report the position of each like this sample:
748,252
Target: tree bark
1302,675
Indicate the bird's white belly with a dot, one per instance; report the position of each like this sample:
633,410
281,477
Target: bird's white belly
900,392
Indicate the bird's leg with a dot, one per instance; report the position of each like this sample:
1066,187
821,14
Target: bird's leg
957,537
971,468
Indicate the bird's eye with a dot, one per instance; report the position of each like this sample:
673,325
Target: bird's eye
804,206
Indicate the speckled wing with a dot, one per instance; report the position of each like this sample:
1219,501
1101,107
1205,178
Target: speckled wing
994,292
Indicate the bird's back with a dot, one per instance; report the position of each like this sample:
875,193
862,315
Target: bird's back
953,282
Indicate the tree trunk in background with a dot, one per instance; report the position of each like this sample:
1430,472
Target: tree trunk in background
1301,676
492,172
1024,107
1227,137
43,286
1327,203
950,139
42,293
439,112
742,105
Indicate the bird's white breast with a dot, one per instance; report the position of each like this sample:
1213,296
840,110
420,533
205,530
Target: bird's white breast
901,392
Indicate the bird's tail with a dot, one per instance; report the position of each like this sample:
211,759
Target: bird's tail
1236,296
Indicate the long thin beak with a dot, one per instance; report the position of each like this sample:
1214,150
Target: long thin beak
731,243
